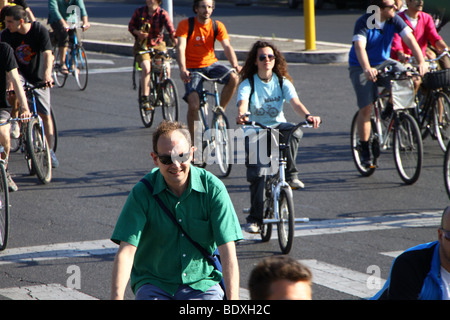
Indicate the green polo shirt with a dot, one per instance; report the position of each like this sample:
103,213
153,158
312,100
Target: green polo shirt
164,257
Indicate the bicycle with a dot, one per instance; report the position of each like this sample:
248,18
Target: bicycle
278,202
399,126
447,169
433,111
76,62
163,91
33,143
216,142
4,197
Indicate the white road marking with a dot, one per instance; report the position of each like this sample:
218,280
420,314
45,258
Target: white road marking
51,291
341,279
321,227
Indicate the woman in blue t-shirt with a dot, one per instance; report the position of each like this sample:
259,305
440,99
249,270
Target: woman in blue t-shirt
265,86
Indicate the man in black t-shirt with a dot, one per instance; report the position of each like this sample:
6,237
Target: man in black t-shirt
8,70
33,50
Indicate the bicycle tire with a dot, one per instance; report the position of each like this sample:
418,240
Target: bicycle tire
80,67
442,122
39,151
286,225
408,148
356,148
447,170
146,115
4,208
266,228
222,148
169,100
58,77
55,130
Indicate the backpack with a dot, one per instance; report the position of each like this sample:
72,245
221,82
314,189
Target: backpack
191,28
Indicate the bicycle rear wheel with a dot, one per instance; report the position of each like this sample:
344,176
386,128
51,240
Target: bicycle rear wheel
287,220
442,120
39,151
59,77
408,148
222,143
4,208
356,149
447,170
170,100
266,228
146,115
80,67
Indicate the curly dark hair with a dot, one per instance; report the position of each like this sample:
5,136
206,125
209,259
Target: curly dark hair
249,68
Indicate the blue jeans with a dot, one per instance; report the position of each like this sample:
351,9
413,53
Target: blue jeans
216,70
184,292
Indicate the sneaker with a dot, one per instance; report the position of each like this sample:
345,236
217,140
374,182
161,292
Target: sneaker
296,184
252,228
55,162
12,187
15,130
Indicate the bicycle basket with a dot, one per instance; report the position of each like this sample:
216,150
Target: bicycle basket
436,80
402,92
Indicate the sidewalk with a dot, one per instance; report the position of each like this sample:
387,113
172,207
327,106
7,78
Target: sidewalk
112,38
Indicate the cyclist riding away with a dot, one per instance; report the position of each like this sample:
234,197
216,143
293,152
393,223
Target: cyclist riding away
146,25
371,47
195,50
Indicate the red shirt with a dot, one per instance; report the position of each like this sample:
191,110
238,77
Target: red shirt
424,31
157,21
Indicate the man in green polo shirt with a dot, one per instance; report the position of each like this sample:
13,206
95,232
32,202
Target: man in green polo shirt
164,264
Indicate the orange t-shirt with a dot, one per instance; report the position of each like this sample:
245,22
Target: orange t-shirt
200,47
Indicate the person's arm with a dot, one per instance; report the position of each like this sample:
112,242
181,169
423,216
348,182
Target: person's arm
48,65
302,111
123,263
363,59
181,59
411,42
13,76
230,269
242,110
230,54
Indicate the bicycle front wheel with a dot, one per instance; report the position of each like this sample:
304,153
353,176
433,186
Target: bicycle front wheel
441,118
287,219
408,148
4,208
39,151
80,67
222,143
55,130
170,100
447,170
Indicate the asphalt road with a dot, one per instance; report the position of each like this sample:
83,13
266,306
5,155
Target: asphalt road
357,224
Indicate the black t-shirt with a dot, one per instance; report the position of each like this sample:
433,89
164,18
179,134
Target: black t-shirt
8,63
28,49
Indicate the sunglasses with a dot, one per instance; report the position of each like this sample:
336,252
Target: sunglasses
390,7
446,233
263,57
168,159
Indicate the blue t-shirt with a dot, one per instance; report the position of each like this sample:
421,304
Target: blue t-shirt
266,105
378,40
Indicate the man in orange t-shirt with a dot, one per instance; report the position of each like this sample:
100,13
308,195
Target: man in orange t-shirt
197,54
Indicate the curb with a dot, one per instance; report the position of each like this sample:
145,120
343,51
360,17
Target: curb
338,55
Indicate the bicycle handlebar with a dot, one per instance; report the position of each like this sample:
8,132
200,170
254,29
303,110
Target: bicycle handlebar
154,52
443,54
215,79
